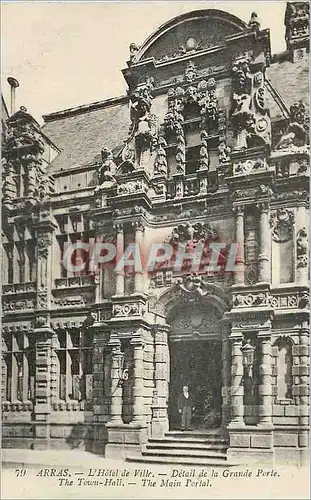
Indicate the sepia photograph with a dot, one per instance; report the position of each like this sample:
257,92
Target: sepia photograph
155,257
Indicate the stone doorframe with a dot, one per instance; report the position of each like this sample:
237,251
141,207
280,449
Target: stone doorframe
209,294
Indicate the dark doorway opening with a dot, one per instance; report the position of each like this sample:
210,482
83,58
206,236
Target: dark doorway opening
196,363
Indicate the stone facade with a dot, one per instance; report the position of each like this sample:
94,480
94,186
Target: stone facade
204,148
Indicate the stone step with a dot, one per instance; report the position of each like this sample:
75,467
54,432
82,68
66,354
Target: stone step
188,452
190,440
195,435
173,443
171,460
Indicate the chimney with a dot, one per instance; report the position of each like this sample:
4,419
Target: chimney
13,84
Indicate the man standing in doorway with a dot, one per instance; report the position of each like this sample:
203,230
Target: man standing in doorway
185,408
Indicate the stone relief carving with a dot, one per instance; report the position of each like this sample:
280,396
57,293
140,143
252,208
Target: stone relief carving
190,72
281,223
44,241
204,155
302,248
131,187
249,114
249,166
193,284
131,309
195,232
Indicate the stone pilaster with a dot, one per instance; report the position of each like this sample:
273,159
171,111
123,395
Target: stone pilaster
44,233
120,250
42,409
225,381
265,374
139,241
161,379
264,257
138,382
237,389
304,389
302,246
239,236
116,389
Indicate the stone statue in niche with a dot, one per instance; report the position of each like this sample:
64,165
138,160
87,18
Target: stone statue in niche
107,170
297,133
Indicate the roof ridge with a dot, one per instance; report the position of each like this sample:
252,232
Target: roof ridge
84,108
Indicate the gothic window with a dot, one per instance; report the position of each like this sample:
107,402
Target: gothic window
284,367
72,229
18,374
74,351
20,179
18,259
251,248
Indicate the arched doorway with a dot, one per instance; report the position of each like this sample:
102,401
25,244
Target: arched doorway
196,360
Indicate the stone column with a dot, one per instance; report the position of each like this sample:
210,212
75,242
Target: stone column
239,236
138,382
304,389
264,257
237,389
120,251
225,381
265,374
139,241
116,389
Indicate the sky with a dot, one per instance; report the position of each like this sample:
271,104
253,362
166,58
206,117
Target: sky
65,54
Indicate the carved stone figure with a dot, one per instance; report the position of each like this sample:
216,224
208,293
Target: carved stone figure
296,134
161,160
302,248
191,72
204,155
108,168
254,23
133,50
180,150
